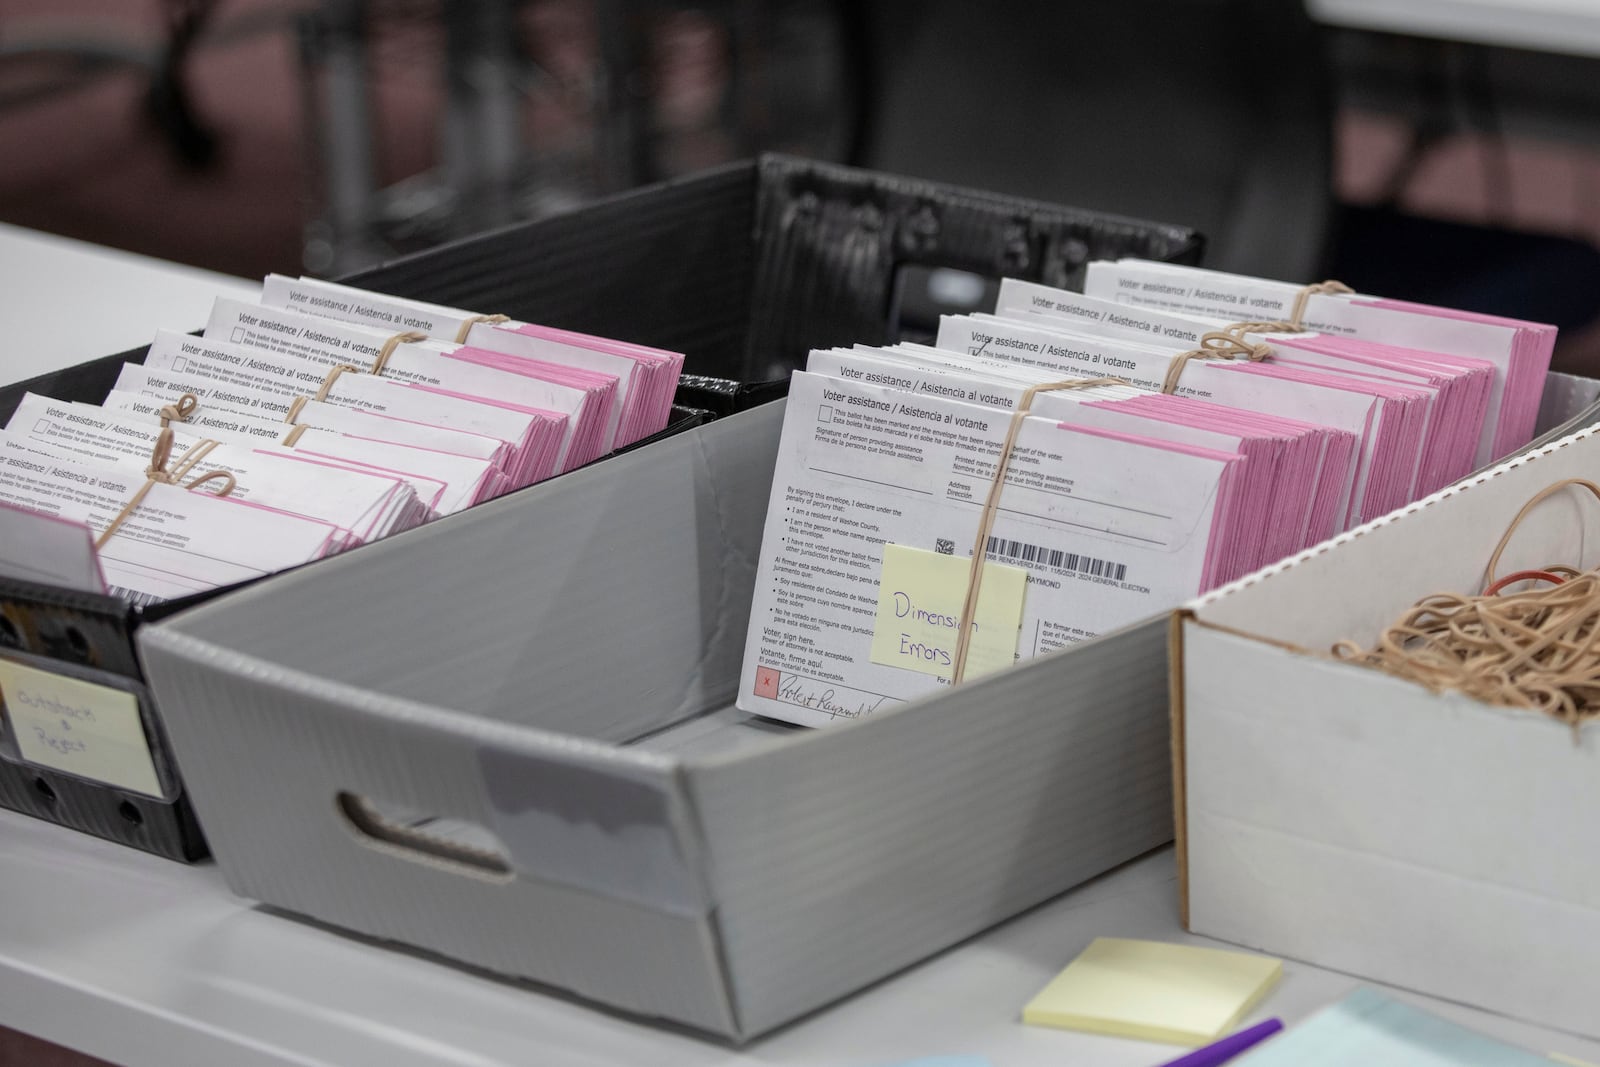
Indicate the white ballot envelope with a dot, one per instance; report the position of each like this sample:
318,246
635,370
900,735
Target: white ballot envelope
1105,528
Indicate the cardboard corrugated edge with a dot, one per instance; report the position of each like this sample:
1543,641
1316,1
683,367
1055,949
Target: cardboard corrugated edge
1180,618
1180,788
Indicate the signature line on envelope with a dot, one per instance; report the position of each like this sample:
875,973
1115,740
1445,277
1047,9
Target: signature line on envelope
858,478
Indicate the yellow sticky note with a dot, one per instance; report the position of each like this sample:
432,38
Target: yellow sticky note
920,595
1570,1060
78,727
1156,991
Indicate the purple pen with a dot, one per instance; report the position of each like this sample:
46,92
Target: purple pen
1229,1047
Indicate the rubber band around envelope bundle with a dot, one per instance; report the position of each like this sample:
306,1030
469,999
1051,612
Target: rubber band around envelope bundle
1218,344
382,359
1538,649
466,327
969,605
157,472
333,376
1229,341
179,411
1297,312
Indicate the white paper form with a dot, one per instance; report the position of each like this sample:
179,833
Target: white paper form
346,303
1399,413
1266,457
163,386
443,483
244,377
328,342
144,392
356,422
176,542
1313,461
363,503
265,387
1520,351
534,435
647,377
1304,465
275,382
1120,530
1332,402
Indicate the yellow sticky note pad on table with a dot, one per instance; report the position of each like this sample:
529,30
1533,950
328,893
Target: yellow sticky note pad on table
78,727
920,595
1182,994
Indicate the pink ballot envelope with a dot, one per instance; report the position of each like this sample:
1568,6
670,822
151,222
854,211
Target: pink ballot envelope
647,377
597,436
1520,351
1090,410
1331,449
1381,417
1106,528
226,424
543,440
1396,418
329,343
322,415
1284,458
177,542
466,481
362,503
534,435
1312,479
270,384
1329,465
1455,422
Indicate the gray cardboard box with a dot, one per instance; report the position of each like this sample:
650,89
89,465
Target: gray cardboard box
509,740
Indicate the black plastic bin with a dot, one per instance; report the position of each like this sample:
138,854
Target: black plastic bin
744,268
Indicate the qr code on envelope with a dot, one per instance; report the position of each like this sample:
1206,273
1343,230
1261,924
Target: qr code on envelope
944,546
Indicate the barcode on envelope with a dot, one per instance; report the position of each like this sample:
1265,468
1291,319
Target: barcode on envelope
1055,557
137,599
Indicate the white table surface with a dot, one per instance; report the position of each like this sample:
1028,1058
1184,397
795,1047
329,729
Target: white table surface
149,963
63,302
1566,26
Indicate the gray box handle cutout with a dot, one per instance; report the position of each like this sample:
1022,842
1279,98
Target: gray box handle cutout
405,836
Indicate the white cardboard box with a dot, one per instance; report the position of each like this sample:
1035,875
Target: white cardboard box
1335,814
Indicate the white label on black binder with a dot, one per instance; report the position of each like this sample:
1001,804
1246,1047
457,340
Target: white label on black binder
92,731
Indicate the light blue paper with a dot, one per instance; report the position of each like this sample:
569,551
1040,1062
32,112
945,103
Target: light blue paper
1367,1029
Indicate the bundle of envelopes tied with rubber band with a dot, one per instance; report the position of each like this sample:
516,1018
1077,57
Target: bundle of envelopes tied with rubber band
1108,454
320,419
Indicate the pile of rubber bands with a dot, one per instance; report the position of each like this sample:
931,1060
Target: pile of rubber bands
1537,649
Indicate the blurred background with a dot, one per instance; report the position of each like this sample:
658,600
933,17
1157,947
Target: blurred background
1440,150
1457,163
